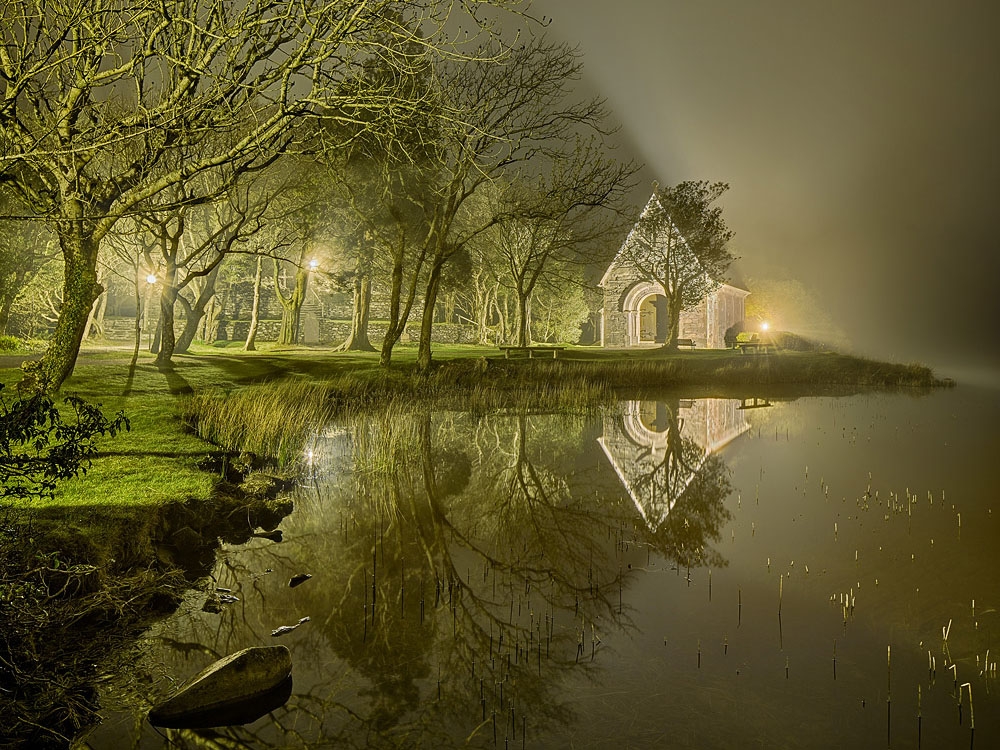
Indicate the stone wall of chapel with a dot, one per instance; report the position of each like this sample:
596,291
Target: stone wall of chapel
615,320
705,324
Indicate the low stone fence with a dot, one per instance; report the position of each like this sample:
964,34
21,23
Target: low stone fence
325,332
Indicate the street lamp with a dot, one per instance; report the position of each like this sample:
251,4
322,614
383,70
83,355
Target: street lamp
151,278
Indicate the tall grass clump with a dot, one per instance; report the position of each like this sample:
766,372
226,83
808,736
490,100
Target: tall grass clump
383,441
519,389
473,385
272,420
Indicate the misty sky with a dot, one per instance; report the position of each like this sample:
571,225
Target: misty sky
859,138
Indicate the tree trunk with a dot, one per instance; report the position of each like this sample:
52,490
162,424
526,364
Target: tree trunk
251,344
5,304
448,313
399,311
522,319
95,320
427,320
154,345
289,325
503,316
168,298
479,306
211,321
674,311
138,323
81,288
194,314
397,319
291,306
358,341
101,309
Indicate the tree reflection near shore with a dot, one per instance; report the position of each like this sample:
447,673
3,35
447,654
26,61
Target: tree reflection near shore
462,565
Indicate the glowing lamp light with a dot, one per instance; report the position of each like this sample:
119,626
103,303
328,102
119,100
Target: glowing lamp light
313,264
151,278
764,326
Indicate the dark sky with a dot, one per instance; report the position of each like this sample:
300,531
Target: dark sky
859,138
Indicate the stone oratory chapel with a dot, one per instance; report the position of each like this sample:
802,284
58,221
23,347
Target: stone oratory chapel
634,314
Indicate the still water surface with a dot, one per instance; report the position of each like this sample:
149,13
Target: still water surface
680,573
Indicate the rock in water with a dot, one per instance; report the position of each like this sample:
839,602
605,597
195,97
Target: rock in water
235,690
287,628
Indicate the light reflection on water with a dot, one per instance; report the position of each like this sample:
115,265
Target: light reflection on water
668,575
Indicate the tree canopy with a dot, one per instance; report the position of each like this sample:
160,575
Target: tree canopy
98,96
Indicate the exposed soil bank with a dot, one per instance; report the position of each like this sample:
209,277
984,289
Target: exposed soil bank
78,586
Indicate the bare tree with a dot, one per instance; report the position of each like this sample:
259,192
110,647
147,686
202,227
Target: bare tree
680,242
382,229
517,118
376,177
96,97
553,221
191,242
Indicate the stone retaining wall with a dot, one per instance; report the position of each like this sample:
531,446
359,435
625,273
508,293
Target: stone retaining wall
330,332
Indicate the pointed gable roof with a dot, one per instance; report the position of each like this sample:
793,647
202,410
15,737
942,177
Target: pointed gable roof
619,262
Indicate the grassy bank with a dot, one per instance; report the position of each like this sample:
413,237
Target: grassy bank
160,459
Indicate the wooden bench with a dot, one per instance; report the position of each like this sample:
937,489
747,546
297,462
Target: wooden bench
751,342
755,346
686,342
531,350
754,403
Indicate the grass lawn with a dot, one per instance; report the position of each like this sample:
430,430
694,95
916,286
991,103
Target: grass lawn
158,460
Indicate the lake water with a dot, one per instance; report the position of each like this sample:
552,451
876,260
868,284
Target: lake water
680,573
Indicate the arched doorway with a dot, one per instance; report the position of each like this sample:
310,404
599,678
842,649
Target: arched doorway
648,319
654,320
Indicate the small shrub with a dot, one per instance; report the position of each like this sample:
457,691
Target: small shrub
38,446
9,343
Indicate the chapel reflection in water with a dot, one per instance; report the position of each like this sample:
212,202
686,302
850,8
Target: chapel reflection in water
665,454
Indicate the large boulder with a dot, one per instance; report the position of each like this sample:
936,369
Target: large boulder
237,689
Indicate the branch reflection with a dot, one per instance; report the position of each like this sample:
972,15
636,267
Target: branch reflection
461,564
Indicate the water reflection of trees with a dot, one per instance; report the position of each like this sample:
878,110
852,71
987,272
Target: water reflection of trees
461,565
504,570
